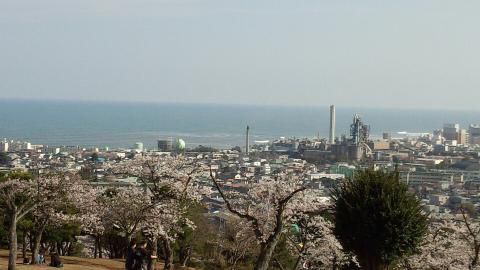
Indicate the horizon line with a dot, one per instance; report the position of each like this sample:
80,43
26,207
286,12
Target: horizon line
292,106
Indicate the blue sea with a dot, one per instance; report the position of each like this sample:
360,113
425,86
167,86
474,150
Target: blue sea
120,125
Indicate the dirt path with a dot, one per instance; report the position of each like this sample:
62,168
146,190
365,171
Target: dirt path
70,263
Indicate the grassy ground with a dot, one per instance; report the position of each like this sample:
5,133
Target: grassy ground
70,263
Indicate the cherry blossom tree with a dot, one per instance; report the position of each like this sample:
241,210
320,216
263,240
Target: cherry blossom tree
268,207
20,195
58,205
164,223
92,208
313,240
236,241
127,211
471,235
451,244
14,195
171,183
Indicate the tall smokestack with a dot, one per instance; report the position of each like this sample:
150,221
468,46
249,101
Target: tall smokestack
331,137
247,143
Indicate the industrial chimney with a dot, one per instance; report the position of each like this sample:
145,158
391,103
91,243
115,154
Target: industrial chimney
247,143
331,137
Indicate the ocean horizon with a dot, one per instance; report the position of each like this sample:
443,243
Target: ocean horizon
121,124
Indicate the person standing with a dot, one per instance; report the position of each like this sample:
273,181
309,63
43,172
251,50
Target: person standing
130,258
41,255
55,260
142,257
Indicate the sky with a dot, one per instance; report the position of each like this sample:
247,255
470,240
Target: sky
399,54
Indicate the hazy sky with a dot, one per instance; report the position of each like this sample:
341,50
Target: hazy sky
362,53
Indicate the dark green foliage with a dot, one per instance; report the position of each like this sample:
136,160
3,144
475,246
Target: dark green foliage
470,209
63,236
76,249
282,256
237,148
204,149
114,244
63,233
87,172
4,158
15,175
3,231
191,242
94,157
377,219
25,224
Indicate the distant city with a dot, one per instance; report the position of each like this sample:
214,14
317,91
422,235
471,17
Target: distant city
446,153
441,167
120,125
446,161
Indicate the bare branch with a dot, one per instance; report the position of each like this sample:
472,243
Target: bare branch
246,216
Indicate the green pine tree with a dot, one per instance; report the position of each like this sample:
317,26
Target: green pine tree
377,219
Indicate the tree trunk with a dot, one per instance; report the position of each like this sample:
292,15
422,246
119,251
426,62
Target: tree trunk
168,255
186,256
95,249
475,259
128,238
55,247
24,244
100,252
266,251
279,264
298,262
153,261
30,241
12,256
37,241
68,248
